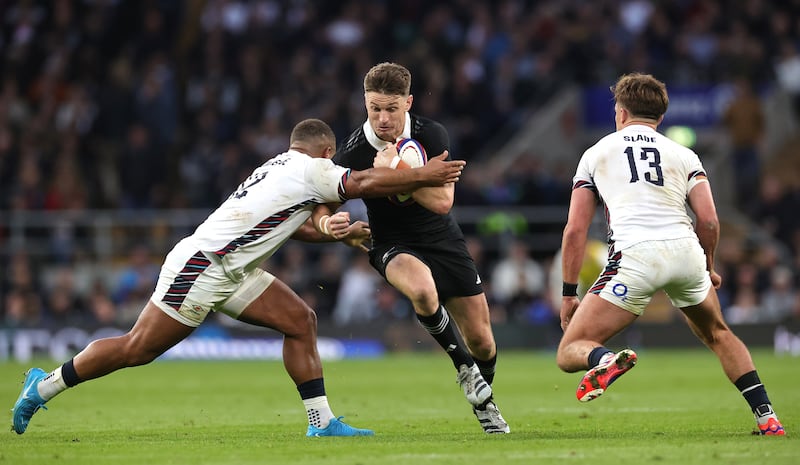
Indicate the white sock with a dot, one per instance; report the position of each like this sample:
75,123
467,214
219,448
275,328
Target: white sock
319,413
606,358
764,412
52,385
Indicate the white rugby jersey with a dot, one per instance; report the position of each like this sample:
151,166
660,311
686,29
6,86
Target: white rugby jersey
266,209
643,178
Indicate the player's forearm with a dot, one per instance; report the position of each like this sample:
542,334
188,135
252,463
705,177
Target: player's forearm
436,199
708,235
380,182
573,247
320,216
308,233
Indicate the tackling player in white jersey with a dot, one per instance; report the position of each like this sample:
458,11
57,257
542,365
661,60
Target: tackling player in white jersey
217,269
644,181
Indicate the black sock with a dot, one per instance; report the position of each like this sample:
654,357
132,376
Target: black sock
487,368
444,331
69,375
596,354
753,391
313,388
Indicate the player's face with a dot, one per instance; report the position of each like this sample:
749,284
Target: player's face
618,116
387,114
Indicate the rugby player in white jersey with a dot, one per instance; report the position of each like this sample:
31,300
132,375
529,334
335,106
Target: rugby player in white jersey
216,269
644,181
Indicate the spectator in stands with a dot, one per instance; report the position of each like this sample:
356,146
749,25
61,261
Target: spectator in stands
327,281
787,72
745,123
391,305
142,169
517,279
356,297
102,309
23,308
779,299
744,307
128,80
135,283
64,304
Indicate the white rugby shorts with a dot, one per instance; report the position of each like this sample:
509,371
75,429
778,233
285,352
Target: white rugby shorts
633,275
191,285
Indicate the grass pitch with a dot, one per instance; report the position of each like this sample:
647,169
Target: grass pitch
675,407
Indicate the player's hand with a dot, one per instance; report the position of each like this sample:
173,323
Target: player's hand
716,279
338,224
568,306
440,172
383,158
357,234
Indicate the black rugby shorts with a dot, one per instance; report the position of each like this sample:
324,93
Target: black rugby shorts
453,268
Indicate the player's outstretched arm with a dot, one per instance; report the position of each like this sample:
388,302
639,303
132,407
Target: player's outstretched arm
380,182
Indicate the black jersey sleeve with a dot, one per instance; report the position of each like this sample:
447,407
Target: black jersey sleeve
431,134
350,152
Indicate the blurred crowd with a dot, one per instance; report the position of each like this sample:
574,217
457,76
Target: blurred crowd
130,105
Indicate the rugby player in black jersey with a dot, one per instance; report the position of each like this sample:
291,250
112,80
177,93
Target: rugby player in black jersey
418,247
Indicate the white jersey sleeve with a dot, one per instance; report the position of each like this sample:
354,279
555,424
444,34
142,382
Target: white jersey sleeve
266,209
326,180
643,178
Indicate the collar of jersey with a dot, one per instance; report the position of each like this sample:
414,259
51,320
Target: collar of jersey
376,142
295,152
638,127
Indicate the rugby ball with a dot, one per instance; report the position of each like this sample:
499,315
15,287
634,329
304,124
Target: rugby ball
413,154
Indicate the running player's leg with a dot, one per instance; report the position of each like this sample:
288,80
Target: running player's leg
472,318
583,346
409,275
706,321
593,324
280,308
153,333
266,301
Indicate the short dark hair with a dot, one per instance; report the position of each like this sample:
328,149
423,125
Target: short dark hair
313,131
388,78
642,95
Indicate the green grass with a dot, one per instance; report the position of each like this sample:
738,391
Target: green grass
676,407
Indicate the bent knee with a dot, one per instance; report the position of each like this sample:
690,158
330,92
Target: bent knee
565,363
482,348
425,300
303,323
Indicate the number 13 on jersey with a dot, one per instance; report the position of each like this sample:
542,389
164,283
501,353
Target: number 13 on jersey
652,170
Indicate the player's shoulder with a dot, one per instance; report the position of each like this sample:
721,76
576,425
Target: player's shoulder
430,133
680,149
603,144
422,126
357,139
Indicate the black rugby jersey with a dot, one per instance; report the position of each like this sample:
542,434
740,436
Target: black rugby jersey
390,221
